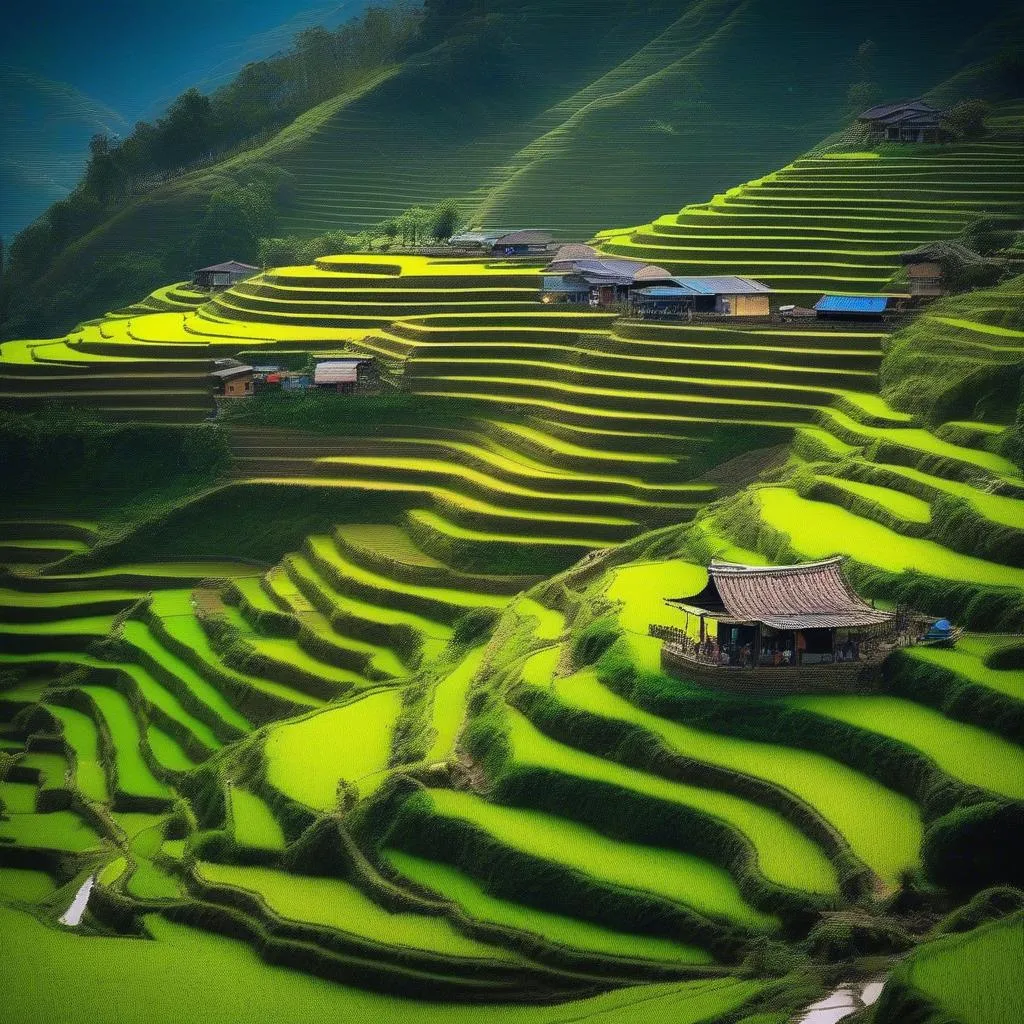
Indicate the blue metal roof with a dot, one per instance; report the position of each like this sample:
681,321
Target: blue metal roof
851,304
664,292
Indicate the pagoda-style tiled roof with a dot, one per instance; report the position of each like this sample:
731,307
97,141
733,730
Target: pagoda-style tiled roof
811,595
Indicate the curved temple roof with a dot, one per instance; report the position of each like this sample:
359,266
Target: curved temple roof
811,595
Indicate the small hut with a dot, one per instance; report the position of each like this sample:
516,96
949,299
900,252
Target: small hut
346,375
234,381
577,273
905,121
521,242
222,275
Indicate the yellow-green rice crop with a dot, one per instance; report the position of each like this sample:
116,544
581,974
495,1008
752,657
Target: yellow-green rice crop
566,931
233,980
254,823
674,876
882,827
975,978
817,529
964,751
334,903
784,854
307,758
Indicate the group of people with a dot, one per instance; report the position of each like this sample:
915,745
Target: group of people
788,652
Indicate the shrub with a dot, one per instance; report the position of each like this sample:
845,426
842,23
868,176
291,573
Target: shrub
594,639
472,627
973,848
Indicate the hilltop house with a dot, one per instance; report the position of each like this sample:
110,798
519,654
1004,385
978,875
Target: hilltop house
722,296
222,275
346,375
906,121
765,618
522,242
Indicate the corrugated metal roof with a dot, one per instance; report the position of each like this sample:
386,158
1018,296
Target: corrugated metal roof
852,304
811,595
724,285
342,371
230,372
228,267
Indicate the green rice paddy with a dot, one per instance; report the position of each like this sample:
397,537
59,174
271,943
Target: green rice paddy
181,961
882,827
334,903
567,931
254,823
133,774
973,977
63,831
450,705
308,758
24,885
817,529
964,751
784,855
80,732
969,661
677,877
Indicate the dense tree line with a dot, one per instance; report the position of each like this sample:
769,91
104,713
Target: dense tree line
416,226
198,128
263,96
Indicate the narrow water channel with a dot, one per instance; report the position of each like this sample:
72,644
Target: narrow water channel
73,915
842,1002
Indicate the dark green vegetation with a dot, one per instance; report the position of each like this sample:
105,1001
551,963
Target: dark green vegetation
505,107
355,711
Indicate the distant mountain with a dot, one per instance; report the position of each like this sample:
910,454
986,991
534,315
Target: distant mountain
572,115
140,57
46,130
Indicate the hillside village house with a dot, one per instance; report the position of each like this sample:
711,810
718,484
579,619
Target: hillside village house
924,277
222,275
721,296
522,242
234,381
906,121
346,375
580,274
767,618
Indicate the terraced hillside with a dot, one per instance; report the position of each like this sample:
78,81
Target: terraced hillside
835,221
381,706
564,116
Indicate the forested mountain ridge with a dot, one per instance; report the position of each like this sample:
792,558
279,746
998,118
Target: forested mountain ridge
568,116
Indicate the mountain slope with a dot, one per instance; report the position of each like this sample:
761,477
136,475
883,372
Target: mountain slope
570,116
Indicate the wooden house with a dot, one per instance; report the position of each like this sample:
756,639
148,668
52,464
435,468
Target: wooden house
222,275
906,121
234,381
771,619
347,375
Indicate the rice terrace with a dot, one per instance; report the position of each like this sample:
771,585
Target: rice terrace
515,512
